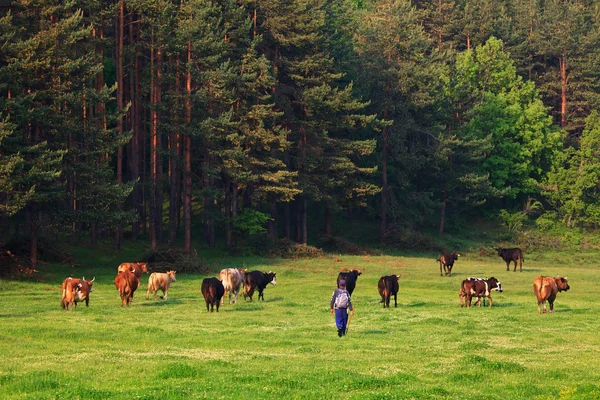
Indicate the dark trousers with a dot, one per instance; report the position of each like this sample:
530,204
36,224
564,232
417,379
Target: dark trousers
341,318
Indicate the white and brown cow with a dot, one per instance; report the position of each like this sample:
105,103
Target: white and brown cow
232,280
546,288
136,267
258,280
76,290
160,281
480,288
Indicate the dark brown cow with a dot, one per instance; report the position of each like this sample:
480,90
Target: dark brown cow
213,291
447,261
75,290
512,255
462,294
388,286
480,288
350,277
126,283
546,288
258,280
136,267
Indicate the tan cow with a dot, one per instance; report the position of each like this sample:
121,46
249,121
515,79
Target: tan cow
232,280
126,283
160,281
546,288
136,267
76,290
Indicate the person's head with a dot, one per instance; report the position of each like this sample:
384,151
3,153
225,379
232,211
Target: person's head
342,283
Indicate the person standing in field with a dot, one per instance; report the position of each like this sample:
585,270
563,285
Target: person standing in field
339,306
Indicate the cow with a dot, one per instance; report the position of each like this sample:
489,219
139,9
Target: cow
212,290
232,280
480,288
136,267
258,280
512,255
126,283
446,260
160,281
350,277
462,294
75,290
546,288
388,286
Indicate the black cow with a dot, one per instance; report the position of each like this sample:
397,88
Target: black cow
480,288
388,286
258,280
350,277
213,291
514,255
447,261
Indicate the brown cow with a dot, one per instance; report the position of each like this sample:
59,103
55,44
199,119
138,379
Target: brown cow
126,283
350,277
388,286
136,267
159,281
512,255
480,288
462,294
447,261
546,288
75,290
232,280
212,290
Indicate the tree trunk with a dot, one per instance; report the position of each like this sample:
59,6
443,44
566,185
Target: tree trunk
287,227
273,219
304,221
228,202
120,88
33,237
563,90
187,150
153,151
443,212
134,112
384,178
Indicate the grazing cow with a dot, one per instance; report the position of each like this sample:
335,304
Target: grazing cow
159,281
136,267
212,290
232,280
388,286
447,261
546,288
513,255
480,288
75,290
350,277
258,280
126,283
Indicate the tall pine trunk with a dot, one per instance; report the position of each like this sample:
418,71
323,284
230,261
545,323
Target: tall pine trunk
187,150
383,226
563,90
120,88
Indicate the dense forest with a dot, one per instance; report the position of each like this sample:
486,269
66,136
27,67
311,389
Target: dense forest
151,117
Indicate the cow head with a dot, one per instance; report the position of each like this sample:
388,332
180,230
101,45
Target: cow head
356,272
172,275
274,280
143,266
494,284
500,250
89,283
455,255
562,284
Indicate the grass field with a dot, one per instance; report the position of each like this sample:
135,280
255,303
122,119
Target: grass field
287,347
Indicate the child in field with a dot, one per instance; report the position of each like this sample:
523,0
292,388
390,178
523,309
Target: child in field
340,304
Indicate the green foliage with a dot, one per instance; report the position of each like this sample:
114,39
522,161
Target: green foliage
250,222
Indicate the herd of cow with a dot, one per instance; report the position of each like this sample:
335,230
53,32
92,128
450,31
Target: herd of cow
232,280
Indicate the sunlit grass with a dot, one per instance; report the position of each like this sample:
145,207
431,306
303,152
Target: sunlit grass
286,346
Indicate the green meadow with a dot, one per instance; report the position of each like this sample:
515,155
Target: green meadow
286,347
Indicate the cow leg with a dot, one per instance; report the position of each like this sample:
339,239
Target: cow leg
165,293
395,300
508,265
217,306
449,270
490,297
441,269
515,270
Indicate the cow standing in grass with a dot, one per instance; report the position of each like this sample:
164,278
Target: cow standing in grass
546,288
258,280
126,283
447,260
76,290
233,280
212,290
350,277
136,268
160,281
480,288
512,255
388,286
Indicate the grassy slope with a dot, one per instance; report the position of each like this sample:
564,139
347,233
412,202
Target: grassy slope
287,346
